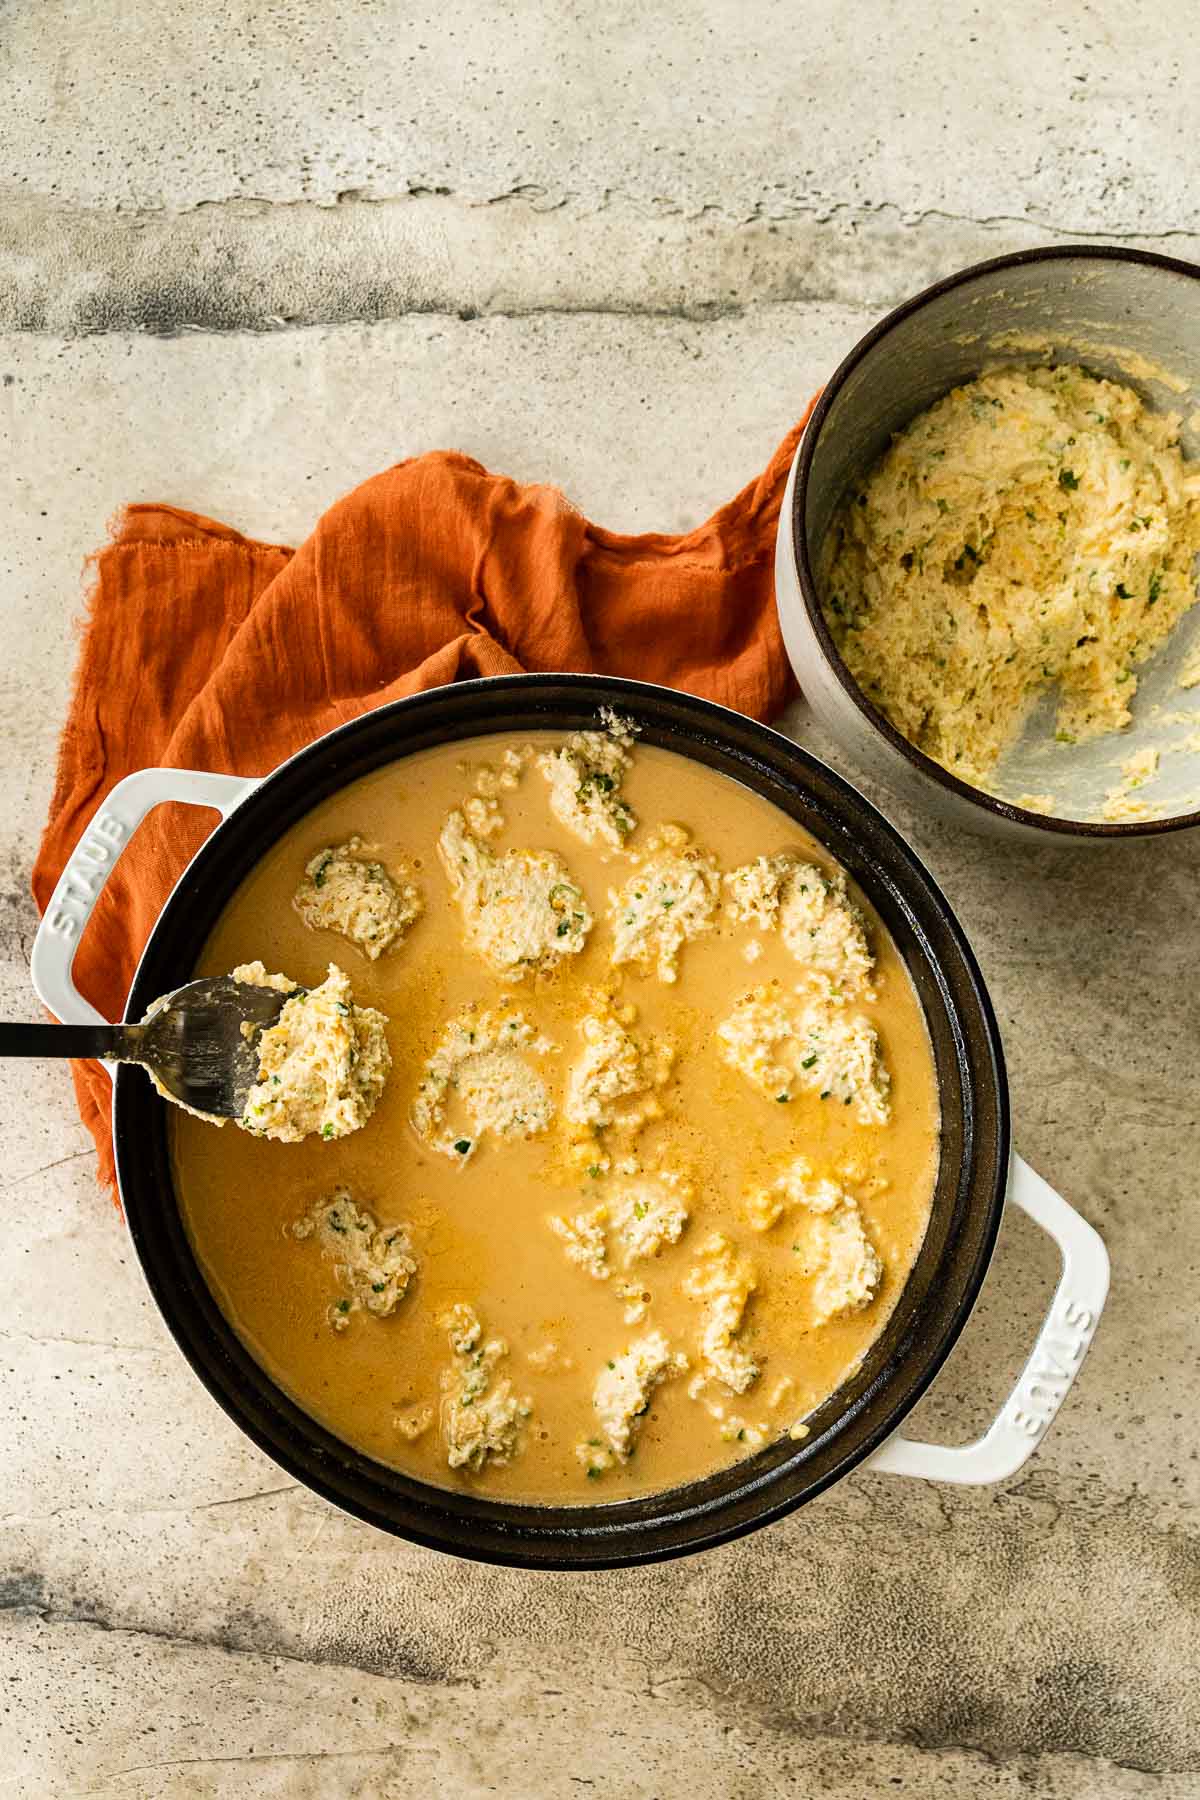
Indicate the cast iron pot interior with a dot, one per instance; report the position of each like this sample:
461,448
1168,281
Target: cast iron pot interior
939,1294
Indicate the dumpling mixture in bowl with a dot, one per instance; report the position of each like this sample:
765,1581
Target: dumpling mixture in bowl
657,1147
1034,533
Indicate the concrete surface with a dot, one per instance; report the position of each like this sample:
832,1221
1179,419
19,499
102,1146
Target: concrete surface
249,254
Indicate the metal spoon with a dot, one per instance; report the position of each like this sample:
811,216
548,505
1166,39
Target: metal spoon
193,1043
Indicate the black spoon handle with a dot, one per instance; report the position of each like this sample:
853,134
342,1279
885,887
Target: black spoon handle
69,1040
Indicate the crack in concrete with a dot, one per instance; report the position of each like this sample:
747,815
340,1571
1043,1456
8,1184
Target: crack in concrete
55,1616
1066,234
822,209
258,266
263,1756
428,1750
16,1519
44,1169
29,1337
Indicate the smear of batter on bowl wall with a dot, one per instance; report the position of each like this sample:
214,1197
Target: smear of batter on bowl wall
1034,529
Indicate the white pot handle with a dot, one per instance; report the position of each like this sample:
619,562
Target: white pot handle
1057,1357
92,862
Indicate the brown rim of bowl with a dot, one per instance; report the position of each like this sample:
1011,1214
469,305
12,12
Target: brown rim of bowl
925,765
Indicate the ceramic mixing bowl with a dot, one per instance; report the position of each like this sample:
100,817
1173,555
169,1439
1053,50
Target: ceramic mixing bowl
1124,314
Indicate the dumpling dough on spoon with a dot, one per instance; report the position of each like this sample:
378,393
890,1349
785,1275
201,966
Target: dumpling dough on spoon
322,1068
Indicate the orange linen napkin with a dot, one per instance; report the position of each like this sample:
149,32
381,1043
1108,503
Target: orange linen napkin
205,650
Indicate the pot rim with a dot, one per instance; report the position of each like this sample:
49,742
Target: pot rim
608,1535
925,765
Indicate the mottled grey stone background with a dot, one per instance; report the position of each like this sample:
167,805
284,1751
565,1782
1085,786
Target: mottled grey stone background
250,253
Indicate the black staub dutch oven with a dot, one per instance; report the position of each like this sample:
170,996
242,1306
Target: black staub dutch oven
973,1177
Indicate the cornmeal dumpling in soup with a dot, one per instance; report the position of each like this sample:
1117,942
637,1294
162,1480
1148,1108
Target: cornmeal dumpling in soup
657,1145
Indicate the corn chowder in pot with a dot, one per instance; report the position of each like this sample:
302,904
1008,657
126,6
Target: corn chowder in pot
655,1151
